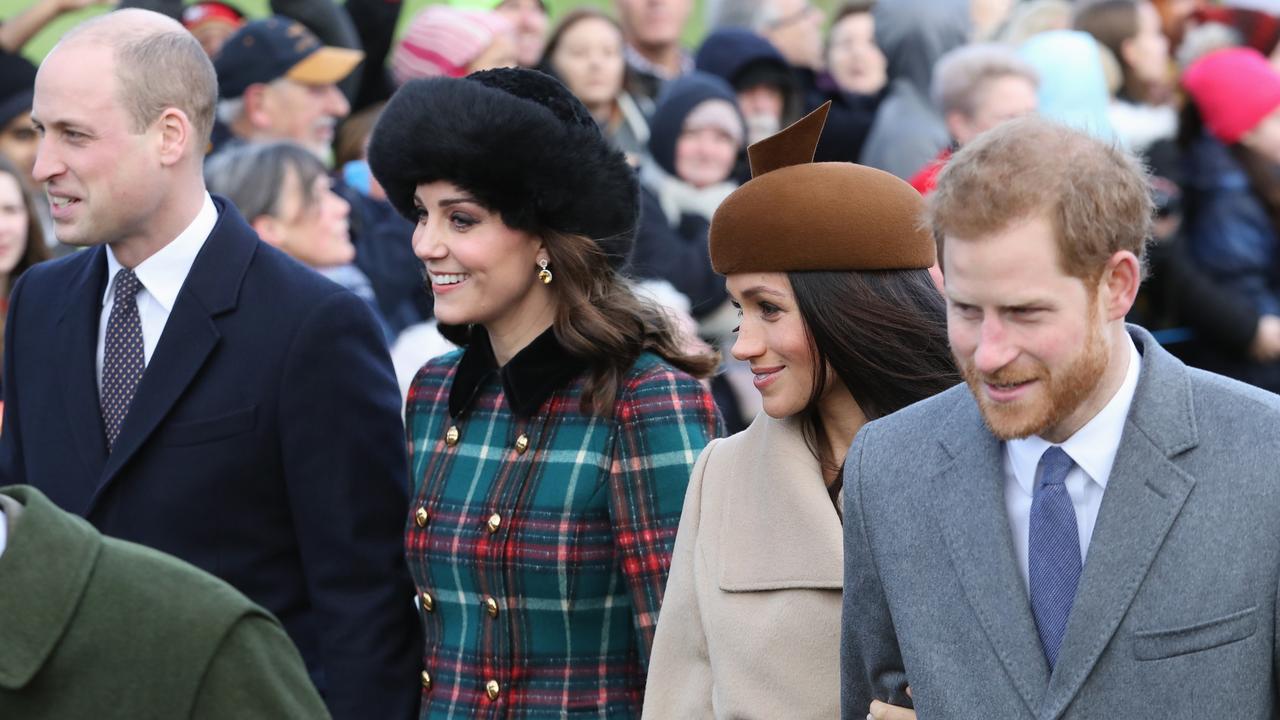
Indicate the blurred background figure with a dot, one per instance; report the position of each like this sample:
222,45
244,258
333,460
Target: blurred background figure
794,27
653,29
212,23
1231,140
530,22
443,41
1141,111
18,139
1254,25
854,60
1176,16
768,93
989,17
1073,82
585,52
913,34
855,81
1028,19
285,194
21,237
277,82
977,87
697,135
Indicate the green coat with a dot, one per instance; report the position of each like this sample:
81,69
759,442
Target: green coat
94,627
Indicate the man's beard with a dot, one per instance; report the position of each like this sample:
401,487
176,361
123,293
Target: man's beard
1060,393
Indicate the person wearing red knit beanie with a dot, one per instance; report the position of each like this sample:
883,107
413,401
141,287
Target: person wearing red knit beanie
1231,140
1238,92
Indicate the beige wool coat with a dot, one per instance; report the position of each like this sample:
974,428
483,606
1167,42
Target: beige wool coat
750,623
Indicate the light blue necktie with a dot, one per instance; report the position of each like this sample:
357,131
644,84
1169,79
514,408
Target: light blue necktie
1053,552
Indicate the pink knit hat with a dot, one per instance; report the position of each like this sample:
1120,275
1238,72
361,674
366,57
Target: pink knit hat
442,41
1234,89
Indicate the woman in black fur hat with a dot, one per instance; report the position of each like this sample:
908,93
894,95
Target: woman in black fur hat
551,454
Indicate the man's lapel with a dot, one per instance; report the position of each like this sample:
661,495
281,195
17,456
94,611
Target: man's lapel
75,344
1145,493
970,507
190,335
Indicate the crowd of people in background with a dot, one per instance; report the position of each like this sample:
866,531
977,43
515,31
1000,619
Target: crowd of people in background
583,250
909,83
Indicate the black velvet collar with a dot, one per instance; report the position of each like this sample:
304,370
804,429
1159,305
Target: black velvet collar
538,370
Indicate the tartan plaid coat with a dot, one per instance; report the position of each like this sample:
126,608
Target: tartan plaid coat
540,538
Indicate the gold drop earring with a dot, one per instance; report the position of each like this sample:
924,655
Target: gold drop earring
544,274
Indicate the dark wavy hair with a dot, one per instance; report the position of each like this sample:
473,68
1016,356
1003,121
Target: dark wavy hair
882,332
601,320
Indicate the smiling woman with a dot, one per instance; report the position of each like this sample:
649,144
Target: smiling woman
550,456
841,325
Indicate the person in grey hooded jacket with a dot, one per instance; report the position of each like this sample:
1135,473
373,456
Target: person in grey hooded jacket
913,34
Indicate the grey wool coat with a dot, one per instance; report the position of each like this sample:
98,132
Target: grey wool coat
749,626
1175,615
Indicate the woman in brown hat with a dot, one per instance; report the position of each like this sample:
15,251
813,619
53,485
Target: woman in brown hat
841,323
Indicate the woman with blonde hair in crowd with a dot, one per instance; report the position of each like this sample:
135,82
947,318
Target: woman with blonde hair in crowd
841,325
550,455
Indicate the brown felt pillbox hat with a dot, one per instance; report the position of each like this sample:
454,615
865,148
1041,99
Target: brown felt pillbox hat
795,214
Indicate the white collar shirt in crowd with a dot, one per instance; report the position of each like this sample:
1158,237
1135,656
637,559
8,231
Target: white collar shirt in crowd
1093,448
161,277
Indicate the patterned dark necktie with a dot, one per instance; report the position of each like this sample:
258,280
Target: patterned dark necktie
1053,552
123,358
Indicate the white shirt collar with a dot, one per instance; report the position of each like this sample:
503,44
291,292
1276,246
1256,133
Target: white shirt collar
1092,447
163,274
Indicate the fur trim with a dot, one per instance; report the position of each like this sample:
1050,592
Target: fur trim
520,142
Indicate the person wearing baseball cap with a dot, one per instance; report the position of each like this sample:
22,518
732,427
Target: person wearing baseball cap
276,81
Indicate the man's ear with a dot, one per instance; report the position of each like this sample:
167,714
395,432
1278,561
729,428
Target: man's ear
176,134
1119,284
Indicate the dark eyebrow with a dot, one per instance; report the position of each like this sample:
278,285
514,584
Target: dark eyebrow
762,291
460,200
448,202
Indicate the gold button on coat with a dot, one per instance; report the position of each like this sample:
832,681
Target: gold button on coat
492,689
495,522
428,602
420,517
491,606
426,680
451,437
522,443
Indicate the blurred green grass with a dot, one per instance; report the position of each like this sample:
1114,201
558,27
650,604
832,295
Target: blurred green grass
40,45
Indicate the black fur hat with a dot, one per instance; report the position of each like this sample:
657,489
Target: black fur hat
520,142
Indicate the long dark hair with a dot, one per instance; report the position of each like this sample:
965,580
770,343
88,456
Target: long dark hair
601,320
882,332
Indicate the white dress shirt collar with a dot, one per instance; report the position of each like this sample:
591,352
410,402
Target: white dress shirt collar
163,273
1092,447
